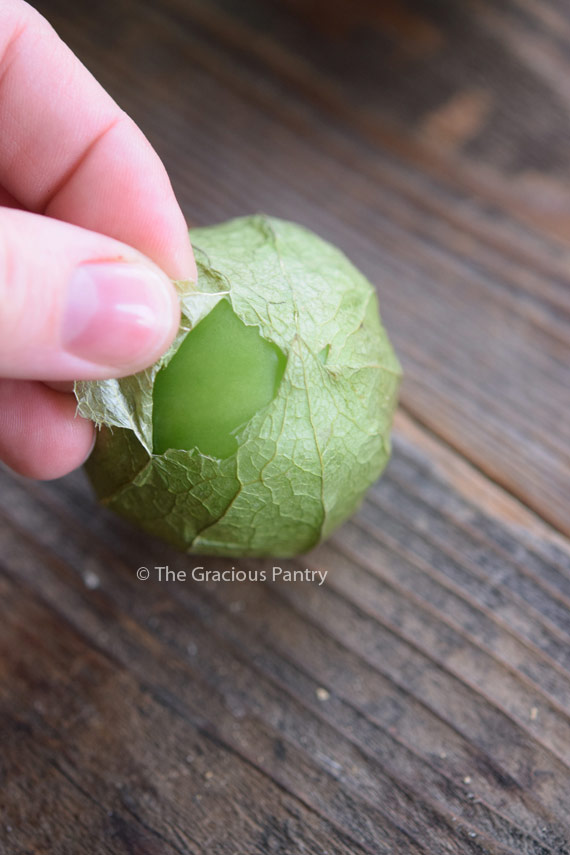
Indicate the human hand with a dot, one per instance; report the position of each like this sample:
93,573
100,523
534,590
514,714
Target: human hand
88,224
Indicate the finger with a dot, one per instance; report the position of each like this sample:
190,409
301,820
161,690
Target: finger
77,305
61,385
7,200
40,435
67,149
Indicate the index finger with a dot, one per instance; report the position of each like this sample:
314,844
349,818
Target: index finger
68,151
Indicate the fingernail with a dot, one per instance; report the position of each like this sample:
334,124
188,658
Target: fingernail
117,314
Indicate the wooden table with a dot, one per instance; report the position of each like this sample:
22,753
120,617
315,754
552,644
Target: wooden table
418,701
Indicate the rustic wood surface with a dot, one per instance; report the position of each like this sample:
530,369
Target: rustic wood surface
419,700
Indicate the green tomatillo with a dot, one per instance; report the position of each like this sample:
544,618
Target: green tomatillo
261,428
220,376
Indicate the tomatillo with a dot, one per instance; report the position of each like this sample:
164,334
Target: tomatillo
220,376
261,428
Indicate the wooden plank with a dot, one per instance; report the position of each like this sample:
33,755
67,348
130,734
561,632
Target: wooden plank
148,774
417,701
473,284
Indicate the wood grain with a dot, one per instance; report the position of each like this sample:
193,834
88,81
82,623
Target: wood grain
187,714
419,700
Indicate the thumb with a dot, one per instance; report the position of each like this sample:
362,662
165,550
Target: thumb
75,304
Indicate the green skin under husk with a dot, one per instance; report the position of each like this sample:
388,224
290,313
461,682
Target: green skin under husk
265,423
220,376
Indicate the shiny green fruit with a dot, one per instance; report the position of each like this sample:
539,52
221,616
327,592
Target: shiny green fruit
220,376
